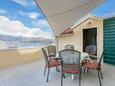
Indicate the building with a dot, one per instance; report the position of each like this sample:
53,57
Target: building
87,32
109,39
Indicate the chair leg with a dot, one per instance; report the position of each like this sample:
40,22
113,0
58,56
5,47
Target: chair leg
101,74
87,69
84,70
57,69
80,78
45,70
61,79
48,74
63,75
99,78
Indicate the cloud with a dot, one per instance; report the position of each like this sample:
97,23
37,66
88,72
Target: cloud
25,3
42,23
31,15
17,28
2,11
108,15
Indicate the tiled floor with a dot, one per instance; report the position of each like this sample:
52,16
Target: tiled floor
32,75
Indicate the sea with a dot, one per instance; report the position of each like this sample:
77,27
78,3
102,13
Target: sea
22,44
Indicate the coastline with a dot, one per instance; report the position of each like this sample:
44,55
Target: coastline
5,49
16,56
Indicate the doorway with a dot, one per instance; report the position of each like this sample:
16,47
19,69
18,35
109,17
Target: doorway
89,37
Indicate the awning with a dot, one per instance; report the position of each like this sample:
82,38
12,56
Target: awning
62,14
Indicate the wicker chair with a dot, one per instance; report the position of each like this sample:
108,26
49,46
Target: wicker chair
91,50
49,63
69,47
91,64
70,63
52,52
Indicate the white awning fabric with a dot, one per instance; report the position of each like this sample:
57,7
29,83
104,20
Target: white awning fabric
62,14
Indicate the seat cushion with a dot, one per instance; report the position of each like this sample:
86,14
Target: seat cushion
90,65
53,63
71,71
70,68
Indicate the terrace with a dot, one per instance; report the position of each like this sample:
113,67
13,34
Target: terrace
25,67
31,74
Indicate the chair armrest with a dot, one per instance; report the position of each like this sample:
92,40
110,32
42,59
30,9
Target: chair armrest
93,57
51,56
92,53
54,58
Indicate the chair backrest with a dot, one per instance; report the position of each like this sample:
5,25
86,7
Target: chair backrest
90,49
51,51
69,47
99,63
45,55
69,56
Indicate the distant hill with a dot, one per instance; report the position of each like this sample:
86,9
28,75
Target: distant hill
17,38
23,41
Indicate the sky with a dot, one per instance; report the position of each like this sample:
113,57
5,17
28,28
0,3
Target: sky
24,18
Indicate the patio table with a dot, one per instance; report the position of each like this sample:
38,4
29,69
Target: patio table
84,55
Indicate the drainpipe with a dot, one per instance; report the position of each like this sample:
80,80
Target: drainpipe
57,43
